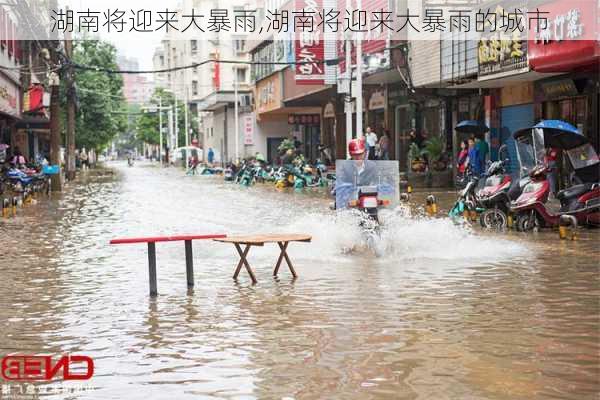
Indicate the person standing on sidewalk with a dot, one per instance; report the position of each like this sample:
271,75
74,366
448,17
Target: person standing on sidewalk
483,149
371,139
550,160
384,146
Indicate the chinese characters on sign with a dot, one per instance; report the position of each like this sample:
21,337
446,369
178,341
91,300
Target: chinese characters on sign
310,19
499,52
309,47
563,26
248,130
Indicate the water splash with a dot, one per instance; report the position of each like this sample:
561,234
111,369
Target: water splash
404,235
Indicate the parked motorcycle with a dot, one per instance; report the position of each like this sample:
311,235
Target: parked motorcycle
581,200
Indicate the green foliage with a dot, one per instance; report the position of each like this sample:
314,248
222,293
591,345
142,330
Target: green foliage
99,96
414,152
286,144
434,148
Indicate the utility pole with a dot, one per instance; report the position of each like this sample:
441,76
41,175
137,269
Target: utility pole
348,104
204,136
359,95
70,137
175,140
170,141
236,117
187,128
55,128
160,130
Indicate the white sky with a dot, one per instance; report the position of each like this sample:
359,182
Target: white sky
139,46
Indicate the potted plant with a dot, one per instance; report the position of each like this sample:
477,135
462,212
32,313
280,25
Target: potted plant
434,150
286,144
417,163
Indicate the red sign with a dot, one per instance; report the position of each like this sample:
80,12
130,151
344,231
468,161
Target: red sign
216,73
304,119
41,368
565,43
309,45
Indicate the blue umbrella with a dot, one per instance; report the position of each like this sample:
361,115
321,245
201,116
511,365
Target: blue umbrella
561,134
471,127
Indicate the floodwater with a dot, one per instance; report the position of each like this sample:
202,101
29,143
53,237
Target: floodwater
447,312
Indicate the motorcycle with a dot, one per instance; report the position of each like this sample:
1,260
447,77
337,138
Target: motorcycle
499,190
581,200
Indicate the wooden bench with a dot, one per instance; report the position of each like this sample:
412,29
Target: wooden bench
151,241
283,240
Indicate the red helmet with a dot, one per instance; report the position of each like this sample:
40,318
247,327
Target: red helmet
356,146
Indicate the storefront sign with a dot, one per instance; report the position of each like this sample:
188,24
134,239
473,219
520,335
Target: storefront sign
329,111
309,46
501,54
377,100
304,119
9,97
561,88
248,121
268,94
564,43
517,94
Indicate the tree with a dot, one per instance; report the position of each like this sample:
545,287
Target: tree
101,112
147,124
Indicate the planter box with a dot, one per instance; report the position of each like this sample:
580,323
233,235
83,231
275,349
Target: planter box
431,179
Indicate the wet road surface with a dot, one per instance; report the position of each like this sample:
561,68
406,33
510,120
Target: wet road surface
447,313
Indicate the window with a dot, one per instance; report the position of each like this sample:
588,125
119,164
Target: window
195,88
238,45
241,75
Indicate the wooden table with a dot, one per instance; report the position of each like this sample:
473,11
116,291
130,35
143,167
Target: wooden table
248,241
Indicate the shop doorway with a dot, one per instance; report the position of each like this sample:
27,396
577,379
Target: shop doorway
514,118
272,153
401,136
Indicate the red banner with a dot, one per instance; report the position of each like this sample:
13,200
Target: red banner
309,45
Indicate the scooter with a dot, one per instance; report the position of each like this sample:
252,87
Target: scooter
499,190
582,201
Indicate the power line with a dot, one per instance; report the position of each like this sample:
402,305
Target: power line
334,61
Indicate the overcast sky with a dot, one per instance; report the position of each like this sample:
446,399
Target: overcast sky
140,46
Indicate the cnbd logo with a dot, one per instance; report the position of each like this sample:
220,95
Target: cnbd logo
43,368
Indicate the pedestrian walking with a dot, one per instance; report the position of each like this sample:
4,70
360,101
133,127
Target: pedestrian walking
550,161
474,160
211,155
384,146
462,158
83,157
483,149
371,139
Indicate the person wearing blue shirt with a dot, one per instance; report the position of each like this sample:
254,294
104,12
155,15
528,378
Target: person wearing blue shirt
474,161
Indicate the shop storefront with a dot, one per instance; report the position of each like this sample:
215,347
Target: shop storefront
307,129
516,112
573,96
10,113
403,121
376,111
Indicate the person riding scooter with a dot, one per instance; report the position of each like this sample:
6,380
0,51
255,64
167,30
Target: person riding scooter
364,171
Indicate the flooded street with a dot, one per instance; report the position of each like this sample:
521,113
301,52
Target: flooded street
447,313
